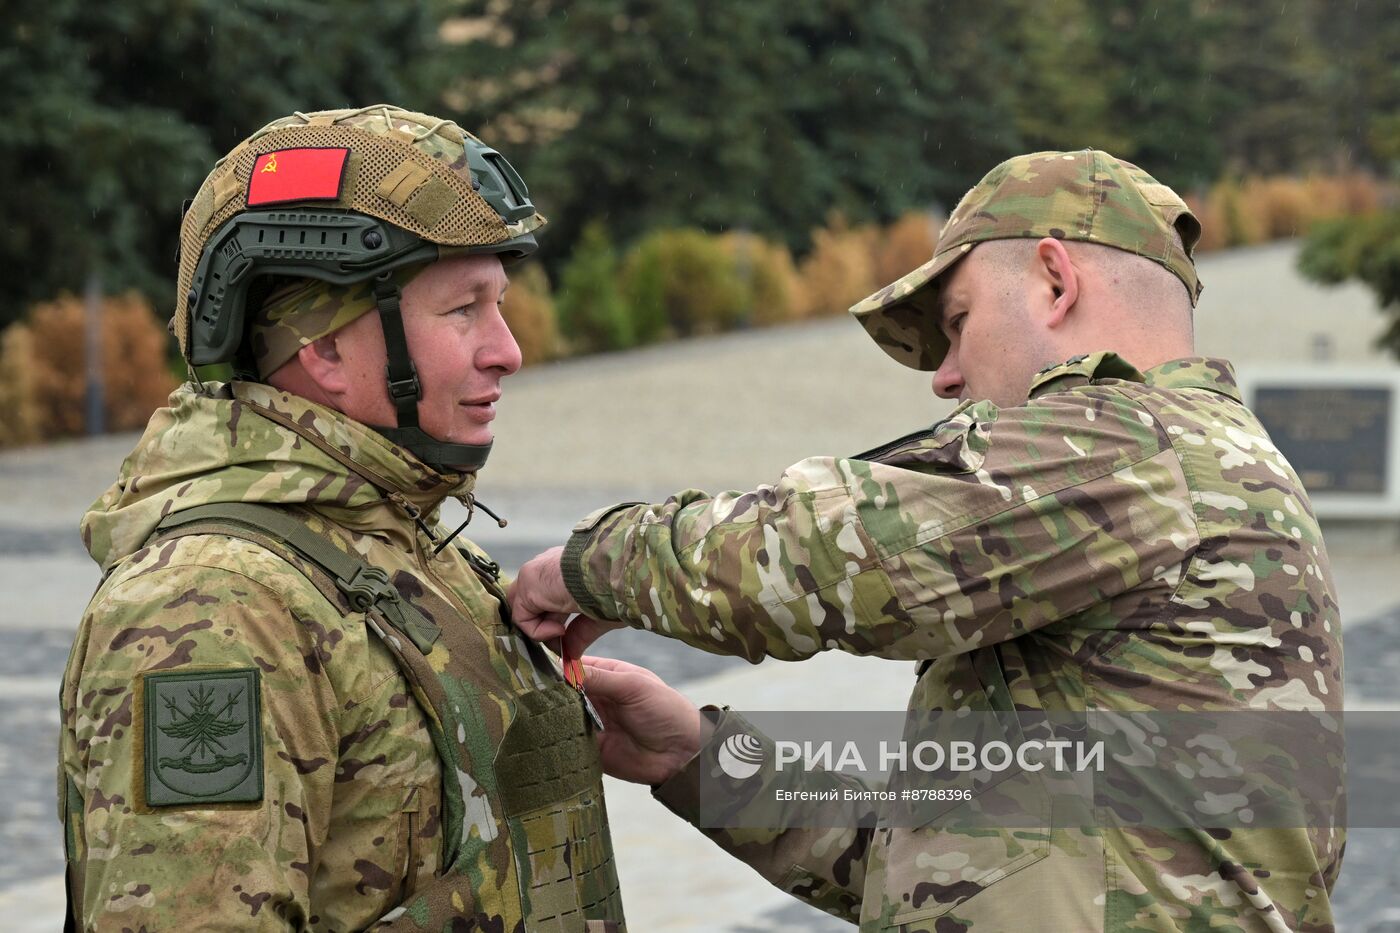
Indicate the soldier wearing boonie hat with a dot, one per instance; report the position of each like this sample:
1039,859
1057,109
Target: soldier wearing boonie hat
1088,196
1113,531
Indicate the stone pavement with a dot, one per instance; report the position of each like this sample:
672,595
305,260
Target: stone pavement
585,433
673,877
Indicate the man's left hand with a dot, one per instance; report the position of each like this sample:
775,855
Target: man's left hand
652,731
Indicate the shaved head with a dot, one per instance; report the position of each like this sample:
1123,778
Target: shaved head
1012,307
1137,285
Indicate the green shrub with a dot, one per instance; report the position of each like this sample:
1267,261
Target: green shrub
591,312
683,282
1367,249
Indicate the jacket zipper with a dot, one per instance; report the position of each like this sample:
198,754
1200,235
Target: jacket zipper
411,877
428,571
877,452
420,555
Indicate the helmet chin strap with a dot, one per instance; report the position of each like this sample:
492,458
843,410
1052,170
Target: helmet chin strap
405,391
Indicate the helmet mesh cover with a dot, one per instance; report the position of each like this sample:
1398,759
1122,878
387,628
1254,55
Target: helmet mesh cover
467,221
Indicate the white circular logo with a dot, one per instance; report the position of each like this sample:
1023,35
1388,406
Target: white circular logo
741,756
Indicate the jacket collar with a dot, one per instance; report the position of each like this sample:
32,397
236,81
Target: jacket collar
359,448
249,442
1195,372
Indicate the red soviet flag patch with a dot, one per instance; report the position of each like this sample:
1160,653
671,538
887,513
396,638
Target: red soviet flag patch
297,175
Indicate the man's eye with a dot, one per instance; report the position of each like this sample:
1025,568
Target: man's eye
957,324
464,309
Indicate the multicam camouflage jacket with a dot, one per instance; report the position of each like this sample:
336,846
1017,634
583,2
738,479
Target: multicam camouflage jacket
1122,542
239,752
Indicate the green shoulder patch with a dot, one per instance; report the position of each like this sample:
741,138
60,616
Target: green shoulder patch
202,734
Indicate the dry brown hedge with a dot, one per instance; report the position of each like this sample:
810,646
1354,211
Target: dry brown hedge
529,310
839,270
770,274
43,370
1262,208
905,245
19,412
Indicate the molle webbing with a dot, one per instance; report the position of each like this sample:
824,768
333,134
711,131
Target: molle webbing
539,764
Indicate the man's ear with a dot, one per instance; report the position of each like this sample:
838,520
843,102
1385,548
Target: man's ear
323,363
1054,267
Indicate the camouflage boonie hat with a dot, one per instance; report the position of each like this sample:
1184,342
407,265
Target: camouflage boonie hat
1087,195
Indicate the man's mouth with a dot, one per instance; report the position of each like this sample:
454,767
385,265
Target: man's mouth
481,409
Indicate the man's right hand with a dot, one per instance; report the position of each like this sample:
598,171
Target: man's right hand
651,730
543,609
539,601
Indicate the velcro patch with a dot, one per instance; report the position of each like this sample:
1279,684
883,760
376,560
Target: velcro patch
1161,196
202,734
307,174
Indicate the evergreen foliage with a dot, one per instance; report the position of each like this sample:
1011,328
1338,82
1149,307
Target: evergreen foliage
118,111
1366,249
754,115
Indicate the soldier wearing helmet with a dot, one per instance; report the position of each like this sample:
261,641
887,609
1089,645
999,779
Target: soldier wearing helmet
1100,525
295,701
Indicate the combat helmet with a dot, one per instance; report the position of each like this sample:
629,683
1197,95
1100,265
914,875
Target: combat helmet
344,197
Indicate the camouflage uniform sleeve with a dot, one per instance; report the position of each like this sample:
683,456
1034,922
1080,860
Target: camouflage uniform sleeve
227,865
992,524
824,867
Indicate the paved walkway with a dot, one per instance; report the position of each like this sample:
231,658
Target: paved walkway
585,433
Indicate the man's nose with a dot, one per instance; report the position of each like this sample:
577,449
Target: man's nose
498,349
948,381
